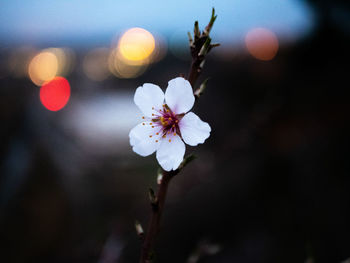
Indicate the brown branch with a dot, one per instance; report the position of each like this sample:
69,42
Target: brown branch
157,211
157,205
200,46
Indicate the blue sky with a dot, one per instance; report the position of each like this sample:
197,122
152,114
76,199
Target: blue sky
36,21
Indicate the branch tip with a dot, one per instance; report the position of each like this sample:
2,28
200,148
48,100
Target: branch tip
211,23
152,197
205,48
139,229
196,30
201,88
159,176
190,39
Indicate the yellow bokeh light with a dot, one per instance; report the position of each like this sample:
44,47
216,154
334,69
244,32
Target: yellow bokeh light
136,44
49,63
43,67
262,43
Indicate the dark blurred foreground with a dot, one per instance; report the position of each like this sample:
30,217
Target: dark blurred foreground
270,185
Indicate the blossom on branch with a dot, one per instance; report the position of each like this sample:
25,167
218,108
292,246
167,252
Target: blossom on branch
167,125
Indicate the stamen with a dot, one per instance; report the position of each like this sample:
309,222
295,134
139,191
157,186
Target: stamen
174,133
177,121
169,119
143,123
157,133
173,126
150,136
143,117
152,114
156,140
152,108
150,123
169,140
152,126
164,136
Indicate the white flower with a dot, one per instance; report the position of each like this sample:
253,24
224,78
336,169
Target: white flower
167,124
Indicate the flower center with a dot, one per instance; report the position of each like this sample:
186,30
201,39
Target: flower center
167,119
164,122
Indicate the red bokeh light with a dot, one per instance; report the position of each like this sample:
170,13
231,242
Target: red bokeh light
55,93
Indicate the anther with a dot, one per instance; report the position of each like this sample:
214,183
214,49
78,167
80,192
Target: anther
152,108
173,126
174,133
169,140
177,121
143,123
156,140
150,123
152,114
150,136
157,133
164,136
152,126
169,118
143,117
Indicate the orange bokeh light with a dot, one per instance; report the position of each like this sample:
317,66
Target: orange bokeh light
261,43
43,67
54,94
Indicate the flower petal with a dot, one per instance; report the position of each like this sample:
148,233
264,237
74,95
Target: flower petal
148,96
179,95
170,154
141,141
193,129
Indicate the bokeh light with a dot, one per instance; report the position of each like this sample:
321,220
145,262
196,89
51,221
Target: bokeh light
262,43
136,44
54,94
49,63
43,67
131,54
65,58
95,64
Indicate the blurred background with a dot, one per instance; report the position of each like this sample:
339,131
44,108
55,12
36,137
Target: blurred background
271,184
